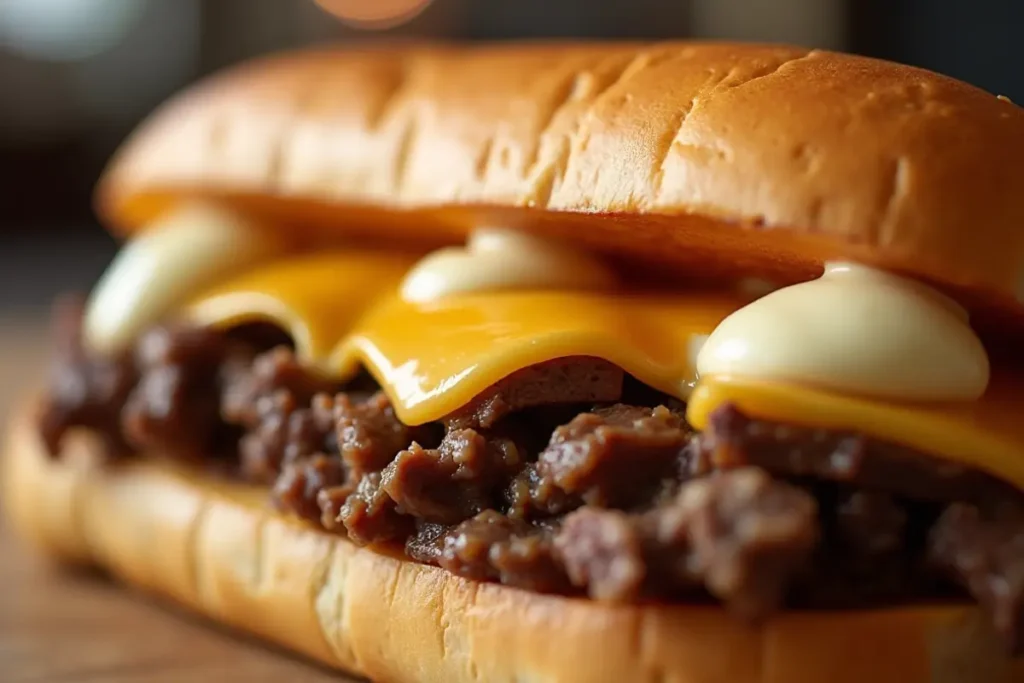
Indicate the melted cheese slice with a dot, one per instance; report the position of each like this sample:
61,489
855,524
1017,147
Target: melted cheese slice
434,357
317,299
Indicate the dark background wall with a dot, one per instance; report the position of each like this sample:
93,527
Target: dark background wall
77,75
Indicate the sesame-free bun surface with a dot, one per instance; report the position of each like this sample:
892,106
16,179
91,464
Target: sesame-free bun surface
700,156
219,550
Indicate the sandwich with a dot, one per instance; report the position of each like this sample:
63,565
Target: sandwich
558,362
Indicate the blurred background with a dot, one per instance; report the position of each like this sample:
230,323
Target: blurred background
77,75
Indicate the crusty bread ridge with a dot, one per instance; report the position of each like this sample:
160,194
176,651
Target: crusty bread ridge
219,550
664,151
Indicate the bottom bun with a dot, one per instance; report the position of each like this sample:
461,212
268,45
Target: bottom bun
221,551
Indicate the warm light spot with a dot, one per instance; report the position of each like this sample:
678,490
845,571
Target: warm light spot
376,14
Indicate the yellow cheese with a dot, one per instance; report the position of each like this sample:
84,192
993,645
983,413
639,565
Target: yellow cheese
316,298
987,434
434,357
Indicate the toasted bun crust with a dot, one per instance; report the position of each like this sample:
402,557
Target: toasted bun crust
765,158
219,550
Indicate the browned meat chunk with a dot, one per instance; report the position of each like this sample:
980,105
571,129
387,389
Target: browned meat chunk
175,406
368,514
286,433
561,381
985,552
250,386
742,534
490,546
531,496
302,480
733,440
615,456
603,552
452,482
369,433
85,390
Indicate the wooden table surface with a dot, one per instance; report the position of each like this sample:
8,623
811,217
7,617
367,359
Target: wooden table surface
57,625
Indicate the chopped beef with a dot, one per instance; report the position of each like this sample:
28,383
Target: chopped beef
871,523
562,381
175,407
369,434
465,550
368,514
615,456
452,482
85,390
298,488
248,387
984,551
286,433
864,550
427,543
732,440
743,534
602,551
528,561
740,535
531,495
534,486
491,546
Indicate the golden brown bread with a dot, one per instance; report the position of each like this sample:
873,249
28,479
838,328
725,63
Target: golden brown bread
766,158
219,550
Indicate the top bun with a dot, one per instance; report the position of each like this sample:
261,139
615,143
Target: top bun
707,156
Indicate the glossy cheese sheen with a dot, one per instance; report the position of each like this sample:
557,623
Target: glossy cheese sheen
317,299
433,358
987,434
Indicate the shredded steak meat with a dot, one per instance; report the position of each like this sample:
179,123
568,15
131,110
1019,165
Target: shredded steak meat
741,535
85,390
250,389
615,456
535,486
532,496
732,439
369,433
458,479
175,406
984,550
602,551
285,433
368,513
300,484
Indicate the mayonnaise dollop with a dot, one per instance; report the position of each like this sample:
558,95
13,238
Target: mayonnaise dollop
180,253
503,259
855,330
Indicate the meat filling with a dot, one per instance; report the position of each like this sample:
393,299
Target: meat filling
550,482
